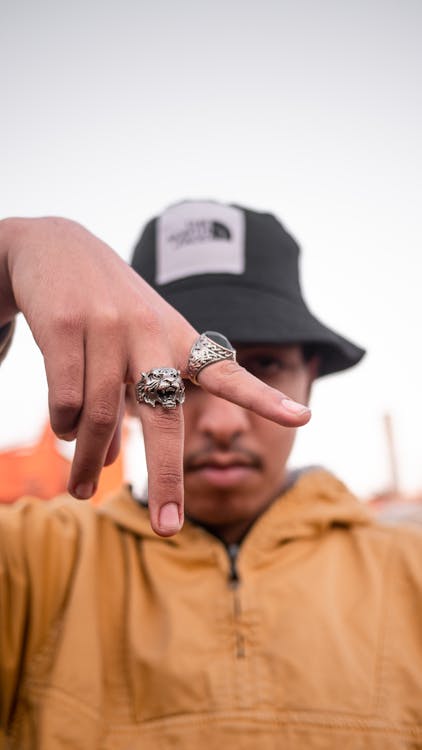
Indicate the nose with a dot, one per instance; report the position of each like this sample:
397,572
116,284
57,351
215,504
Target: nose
222,421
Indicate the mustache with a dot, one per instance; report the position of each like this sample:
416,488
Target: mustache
206,456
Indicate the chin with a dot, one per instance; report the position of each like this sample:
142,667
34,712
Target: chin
220,508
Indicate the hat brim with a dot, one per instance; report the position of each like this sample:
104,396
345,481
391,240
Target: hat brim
227,308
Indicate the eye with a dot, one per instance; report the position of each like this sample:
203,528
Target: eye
264,366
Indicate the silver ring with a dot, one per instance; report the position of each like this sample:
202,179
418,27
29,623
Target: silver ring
163,386
209,348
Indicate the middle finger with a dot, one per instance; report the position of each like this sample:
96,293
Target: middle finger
100,415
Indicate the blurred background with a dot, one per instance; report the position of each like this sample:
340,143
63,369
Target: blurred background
311,109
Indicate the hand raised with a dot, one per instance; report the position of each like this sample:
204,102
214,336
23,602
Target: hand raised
98,326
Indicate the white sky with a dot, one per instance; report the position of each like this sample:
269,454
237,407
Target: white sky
309,108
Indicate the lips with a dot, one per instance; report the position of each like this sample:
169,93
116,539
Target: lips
221,461
222,470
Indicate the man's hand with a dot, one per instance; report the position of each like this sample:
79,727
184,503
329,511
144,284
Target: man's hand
98,325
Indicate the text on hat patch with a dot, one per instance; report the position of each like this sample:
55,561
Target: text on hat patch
199,238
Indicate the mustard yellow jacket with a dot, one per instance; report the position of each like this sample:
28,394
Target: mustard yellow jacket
114,639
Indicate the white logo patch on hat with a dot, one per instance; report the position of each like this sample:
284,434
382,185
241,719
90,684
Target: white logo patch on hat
199,237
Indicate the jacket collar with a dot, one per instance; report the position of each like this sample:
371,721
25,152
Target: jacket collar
315,502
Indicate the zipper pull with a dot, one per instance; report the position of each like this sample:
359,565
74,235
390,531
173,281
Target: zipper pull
233,551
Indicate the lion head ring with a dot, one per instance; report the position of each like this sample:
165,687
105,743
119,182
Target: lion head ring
162,386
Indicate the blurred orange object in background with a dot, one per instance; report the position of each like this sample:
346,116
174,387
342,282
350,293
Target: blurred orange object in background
42,471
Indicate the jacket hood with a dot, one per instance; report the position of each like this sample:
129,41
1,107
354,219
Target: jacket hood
315,502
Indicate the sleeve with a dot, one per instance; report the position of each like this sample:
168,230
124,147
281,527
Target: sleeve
38,553
6,335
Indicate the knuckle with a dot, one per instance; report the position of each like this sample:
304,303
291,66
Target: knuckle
149,321
65,322
65,402
102,417
170,479
223,377
230,368
109,320
169,421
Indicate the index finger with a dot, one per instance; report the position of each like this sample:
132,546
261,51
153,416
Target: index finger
229,380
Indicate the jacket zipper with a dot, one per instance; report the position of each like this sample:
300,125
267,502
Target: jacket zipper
234,583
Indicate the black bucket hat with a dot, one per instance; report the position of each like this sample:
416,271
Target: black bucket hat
234,270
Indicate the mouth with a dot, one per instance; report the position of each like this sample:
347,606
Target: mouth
223,470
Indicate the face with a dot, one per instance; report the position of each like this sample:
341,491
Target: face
234,460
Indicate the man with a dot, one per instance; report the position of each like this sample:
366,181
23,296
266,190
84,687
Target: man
280,615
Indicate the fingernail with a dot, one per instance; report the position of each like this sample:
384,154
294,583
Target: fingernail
169,518
294,407
84,491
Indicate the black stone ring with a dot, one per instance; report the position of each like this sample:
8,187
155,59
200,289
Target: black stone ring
209,348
